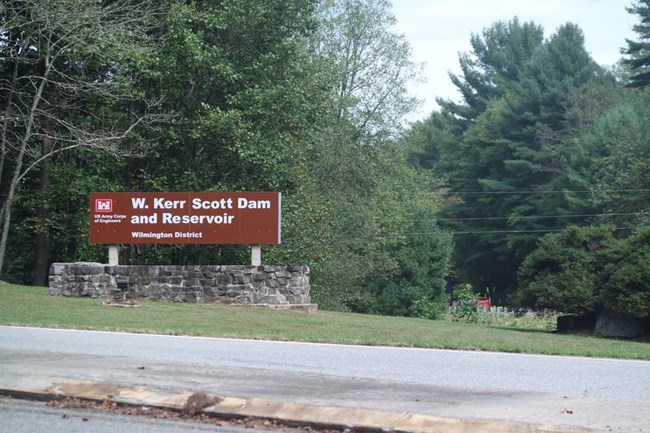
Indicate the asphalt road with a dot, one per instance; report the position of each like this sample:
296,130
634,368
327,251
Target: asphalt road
19,416
569,376
613,395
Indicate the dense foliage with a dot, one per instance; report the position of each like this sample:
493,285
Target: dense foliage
563,273
542,140
508,147
302,97
307,97
587,270
638,52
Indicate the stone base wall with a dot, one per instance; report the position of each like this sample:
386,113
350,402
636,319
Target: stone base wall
226,284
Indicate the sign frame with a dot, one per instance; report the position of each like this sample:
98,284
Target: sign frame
241,218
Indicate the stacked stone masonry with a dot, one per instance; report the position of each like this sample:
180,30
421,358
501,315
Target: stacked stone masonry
226,284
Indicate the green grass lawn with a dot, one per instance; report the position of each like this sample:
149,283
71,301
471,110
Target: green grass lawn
32,306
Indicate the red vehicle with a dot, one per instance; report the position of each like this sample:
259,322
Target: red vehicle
484,302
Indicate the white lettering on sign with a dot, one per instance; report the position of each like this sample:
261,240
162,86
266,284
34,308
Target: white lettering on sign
197,203
144,219
169,218
188,235
158,235
139,203
161,203
243,203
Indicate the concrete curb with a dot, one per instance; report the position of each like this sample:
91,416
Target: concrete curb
288,413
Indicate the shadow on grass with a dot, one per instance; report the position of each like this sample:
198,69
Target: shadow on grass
578,333
528,331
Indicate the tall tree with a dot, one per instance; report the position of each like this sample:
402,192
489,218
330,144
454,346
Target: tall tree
358,169
621,185
496,62
370,63
67,66
512,162
248,97
238,75
639,51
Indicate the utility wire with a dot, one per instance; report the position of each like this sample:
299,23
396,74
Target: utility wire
540,192
527,217
511,231
531,231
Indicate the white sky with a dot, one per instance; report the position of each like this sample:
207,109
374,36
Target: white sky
439,29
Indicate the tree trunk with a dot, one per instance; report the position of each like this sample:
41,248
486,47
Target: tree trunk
41,264
18,165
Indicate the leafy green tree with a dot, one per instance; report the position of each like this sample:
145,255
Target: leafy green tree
421,260
410,254
238,75
622,188
587,270
626,286
360,191
513,163
365,233
639,51
69,69
370,63
564,272
496,63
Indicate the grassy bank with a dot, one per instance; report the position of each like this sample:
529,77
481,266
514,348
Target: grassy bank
32,306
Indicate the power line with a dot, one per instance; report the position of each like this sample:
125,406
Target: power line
509,231
531,231
526,217
541,192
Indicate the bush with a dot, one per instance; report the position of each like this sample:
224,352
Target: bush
563,272
586,270
427,308
626,278
466,305
415,283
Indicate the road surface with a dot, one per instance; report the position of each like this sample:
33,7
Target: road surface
611,395
19,416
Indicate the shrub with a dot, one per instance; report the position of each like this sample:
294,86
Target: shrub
465,309
427,308
586,270
563,273
626,276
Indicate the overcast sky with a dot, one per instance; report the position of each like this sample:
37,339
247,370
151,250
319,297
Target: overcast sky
439,29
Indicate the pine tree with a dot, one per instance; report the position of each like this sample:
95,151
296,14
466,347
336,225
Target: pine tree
493,65
515,152
639,51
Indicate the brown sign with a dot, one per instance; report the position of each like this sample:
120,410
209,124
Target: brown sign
185,217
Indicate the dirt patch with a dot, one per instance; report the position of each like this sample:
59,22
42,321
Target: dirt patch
199,401
191,412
